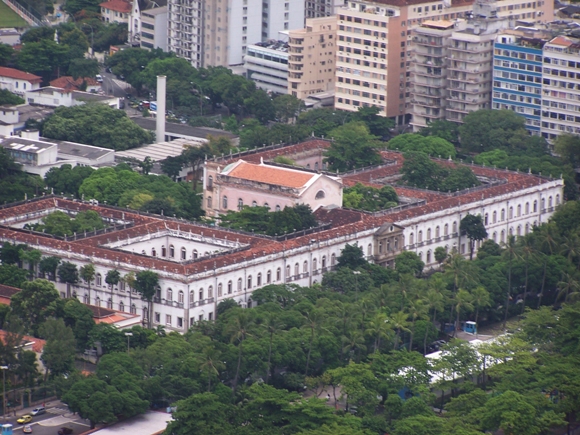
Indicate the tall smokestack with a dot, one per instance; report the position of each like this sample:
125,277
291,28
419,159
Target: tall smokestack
161,90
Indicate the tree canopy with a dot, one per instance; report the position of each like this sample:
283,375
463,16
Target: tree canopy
352,147
430,145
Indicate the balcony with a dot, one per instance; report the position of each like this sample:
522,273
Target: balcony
466,49
432,52
437,83
431,42
427,72
420,60
429,92
427,103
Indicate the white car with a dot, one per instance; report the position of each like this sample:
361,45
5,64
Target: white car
38,411
99,78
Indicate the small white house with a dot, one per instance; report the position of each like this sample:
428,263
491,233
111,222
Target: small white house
18,82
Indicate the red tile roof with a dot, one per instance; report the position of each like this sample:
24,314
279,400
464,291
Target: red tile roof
561,40
69,84
271,175
117,5
14,73
37,343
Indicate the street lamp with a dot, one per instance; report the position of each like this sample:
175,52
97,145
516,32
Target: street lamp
128,335
4,368
92,39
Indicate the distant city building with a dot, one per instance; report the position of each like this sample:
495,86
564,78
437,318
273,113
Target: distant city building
69,83
18,82
266,63
51,96
115,11
154,28
322,8
209,33
312,57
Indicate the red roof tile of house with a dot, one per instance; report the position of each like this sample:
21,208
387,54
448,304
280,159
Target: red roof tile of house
561,40
117,5
69,84
14,73
271,175
37,343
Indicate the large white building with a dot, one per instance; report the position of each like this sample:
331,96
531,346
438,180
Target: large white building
199,266
267,65
212,33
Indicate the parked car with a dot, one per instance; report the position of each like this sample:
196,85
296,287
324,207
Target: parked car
38,411
65,431
24,419
99,78
27,429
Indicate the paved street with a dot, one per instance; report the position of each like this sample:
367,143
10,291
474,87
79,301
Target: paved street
57,415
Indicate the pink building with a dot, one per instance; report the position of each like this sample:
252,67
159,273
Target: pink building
242,183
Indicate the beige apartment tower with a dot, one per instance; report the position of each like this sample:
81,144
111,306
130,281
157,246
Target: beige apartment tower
375,51
311,60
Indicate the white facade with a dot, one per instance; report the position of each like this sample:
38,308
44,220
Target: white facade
18,82
153,28
268,67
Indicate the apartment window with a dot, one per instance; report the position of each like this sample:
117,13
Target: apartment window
183,253
209,203
169,295
99,280
171,251
180,322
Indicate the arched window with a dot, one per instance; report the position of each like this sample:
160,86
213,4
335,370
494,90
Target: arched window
558,199
240,284
180,297
305,267
98,301
535,206
278,274
195,254
502,214
98,280
121,307
319,194
333,259
133,309
86,299
225,202
266,205
324,261
209,202
550,202
183,253
511,231
200,294
249,282
420,237
191,297
428,233
210,182
519,230
169,295
259,279
240,204
502,237
519,210
428,257
446,229
163,251
287,272
254,204
494,217
396,243
316,166
268,277
454,227
110,304
527,208
277,207
220,290
437,235
485,219
370,249
296,269
511,212
411,238
210,291
171,251
230,289
527,228
543,205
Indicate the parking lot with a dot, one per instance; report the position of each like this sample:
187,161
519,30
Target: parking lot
57,415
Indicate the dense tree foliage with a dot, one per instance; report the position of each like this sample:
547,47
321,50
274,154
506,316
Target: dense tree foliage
431,145
263,221
369,198
8,98
16,184
352,147
60,224
95,124
66,179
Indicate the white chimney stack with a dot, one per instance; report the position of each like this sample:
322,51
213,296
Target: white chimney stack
161,90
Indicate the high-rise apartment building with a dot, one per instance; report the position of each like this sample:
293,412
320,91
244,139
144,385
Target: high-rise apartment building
322,8
517,75
374,50
561,87
217,33
311,50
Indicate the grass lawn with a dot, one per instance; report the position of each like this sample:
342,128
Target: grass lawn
9,18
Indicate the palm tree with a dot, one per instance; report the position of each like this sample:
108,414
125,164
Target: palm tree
380,327
480,299
87,273
112,279
239,329
510,251
272,325
417,310
569,286
32,256
129,279
400,324
571,247
314,320
525,252
548,239
462,302
211,364
354,341
433,301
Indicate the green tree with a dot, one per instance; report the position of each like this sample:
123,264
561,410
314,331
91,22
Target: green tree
35,303
68,274
287,107
408,262
146,283
89,398
567,146
7,97
480,298
239,328
442,128
511,413
488,129
58,355
430,145
83,68
462,302
351,256
146,165
79,318
6,53
420,171
378,125
203,414
474,229
12,275
352,147
172,166
48,266
67,179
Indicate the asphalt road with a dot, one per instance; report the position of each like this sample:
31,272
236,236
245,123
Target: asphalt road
113,86
57,415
